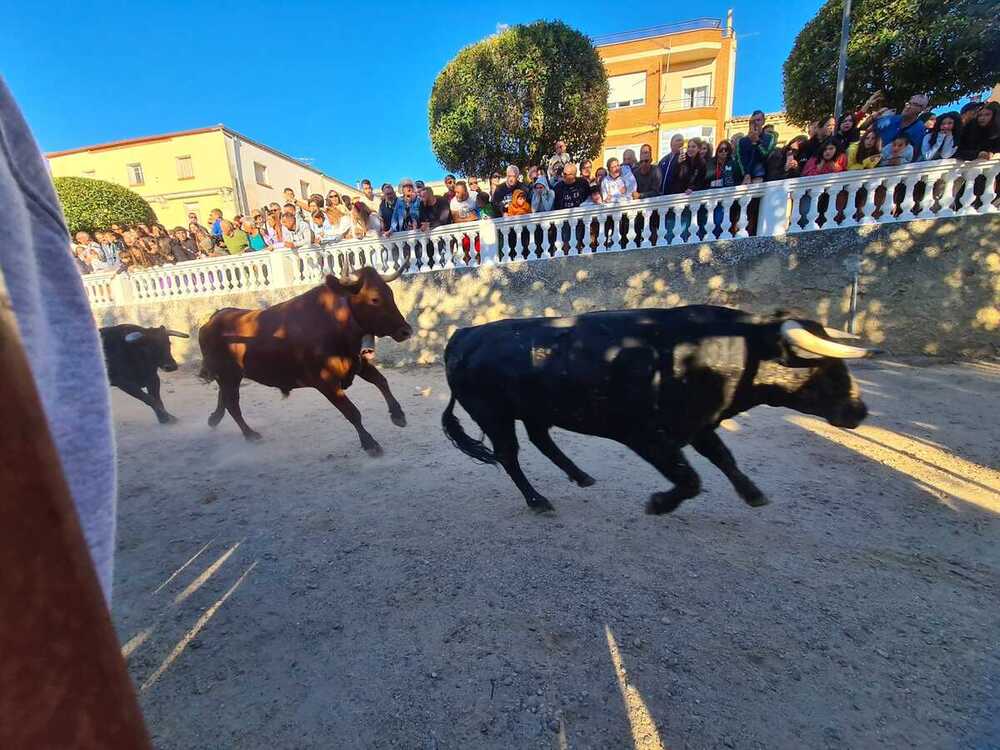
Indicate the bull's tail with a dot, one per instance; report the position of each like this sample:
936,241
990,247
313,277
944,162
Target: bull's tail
475,449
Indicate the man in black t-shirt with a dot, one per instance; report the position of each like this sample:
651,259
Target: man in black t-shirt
434,212
571,192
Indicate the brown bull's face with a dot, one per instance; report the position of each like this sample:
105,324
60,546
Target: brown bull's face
374,305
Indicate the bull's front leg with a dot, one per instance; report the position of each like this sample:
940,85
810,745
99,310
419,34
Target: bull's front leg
710,445
135,390
161,411
336,395
368,371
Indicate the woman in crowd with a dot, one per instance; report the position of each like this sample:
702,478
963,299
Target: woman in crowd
690,175
824,130
585,168
705,151
257,240
829,159
204,240
785,163
721,169
980,139
941,141
847,131
542,196
272,228
865,153
363,224
599,176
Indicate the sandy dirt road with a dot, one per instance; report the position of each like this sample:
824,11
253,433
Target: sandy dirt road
299,594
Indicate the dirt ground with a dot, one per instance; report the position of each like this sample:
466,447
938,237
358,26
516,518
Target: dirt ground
298,594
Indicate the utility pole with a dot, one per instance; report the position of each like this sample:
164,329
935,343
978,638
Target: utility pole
845,30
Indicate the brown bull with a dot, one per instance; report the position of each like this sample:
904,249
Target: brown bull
309,341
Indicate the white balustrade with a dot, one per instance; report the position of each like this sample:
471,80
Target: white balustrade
924,190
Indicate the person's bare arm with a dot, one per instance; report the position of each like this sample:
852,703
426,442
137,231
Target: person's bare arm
63,681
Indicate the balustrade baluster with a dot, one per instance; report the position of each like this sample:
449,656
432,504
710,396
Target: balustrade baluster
989,195
741,225
967,199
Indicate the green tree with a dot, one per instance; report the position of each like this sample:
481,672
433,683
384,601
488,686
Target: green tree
509,98
95,204
947,49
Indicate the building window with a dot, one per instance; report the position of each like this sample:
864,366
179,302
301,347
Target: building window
88,173
260,174
135,174
697,91
628,90
304,189
185,168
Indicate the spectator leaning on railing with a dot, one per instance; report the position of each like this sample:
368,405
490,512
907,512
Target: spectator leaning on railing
857,141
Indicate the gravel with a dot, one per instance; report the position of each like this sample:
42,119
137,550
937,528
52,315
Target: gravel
412,601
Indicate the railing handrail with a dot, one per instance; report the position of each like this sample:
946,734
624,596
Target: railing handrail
705,22
803,204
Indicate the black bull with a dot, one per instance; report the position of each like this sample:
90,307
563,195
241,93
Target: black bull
653,380
133,355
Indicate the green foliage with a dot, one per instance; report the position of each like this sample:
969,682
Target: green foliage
97,204
509,98
947,50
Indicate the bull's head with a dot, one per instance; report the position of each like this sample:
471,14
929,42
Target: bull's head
372,302
154,345
807,372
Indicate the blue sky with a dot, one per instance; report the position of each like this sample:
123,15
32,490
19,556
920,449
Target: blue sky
343,85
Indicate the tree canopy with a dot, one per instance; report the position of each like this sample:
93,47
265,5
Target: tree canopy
91,204
509,98
947,50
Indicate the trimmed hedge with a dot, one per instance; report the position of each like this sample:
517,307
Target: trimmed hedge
97,204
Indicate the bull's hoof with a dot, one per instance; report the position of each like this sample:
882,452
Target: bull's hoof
374,450
398,418
214,419
167,418
756,499
584,480
541,506
252,436
662,502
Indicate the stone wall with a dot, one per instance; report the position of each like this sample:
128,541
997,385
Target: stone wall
925,288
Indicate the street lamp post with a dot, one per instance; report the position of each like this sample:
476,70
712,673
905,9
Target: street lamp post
845,30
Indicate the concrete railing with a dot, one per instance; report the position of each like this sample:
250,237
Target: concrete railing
925,190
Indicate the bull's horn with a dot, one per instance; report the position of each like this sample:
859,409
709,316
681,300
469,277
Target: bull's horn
134,336
388,277
838,335
795,334
178,334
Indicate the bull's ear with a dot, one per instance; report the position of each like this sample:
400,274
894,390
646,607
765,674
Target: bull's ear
131,338
350,285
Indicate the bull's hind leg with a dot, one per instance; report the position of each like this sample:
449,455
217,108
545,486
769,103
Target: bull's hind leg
369,372
336,396
229,394
670,462
539,435
220,411
710,445
501,434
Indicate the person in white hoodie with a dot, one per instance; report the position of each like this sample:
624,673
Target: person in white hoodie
542,196
619,184
941,142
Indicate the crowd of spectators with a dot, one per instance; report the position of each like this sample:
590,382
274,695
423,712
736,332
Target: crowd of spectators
870,137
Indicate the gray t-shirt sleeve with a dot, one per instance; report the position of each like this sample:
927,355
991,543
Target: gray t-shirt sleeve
58,332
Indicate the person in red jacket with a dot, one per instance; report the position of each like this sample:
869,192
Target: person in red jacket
829,159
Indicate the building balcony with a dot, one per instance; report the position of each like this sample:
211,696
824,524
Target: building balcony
650,32
687,103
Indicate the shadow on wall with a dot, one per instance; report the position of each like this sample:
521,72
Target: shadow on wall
924,288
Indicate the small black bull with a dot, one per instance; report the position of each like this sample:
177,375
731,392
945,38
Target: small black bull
133,355
654,380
